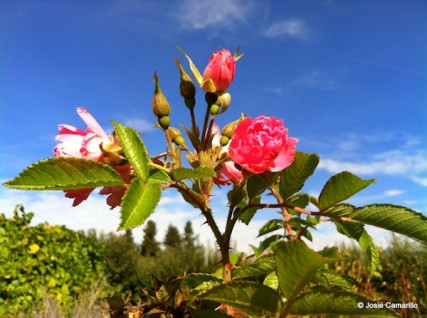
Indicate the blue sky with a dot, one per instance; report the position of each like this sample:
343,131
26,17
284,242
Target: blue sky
348,78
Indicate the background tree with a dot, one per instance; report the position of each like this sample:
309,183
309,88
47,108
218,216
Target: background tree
172,237
149,246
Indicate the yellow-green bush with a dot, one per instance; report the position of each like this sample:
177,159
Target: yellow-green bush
62,262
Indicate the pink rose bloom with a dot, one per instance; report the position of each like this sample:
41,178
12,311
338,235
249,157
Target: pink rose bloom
78,143
220,70
262,144
228,174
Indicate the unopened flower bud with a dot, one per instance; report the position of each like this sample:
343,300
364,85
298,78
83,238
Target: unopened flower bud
224,141
224,100
214,109
228,130
190,102
219,73
164,122
160,104
211,98
176,136
186,85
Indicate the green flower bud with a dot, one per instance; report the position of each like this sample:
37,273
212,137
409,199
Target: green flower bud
159,103
228,130
224,100
214,109
224,141
176,136
179,141
186,86
164,122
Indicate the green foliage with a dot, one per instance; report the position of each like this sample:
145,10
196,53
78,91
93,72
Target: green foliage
134,149
252,298
341,187
292,179
327,302
41,258
139,203
149,246
199,172
172,237
64,173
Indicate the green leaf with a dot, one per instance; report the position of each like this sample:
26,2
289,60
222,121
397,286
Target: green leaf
134,149
341,187
271,226
247,216
257,184
371,251
296,265
394,218
199,172
262,266
272,281
65,173
292,179
328,302
195,279
250,297
158,176
139,203
390,217
329,280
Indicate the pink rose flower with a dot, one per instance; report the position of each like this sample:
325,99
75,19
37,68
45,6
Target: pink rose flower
262,144
220,70
228,174
78,143
85,144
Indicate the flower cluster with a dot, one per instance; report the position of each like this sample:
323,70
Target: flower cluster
244,147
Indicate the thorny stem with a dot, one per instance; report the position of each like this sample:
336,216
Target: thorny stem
221,239
285,213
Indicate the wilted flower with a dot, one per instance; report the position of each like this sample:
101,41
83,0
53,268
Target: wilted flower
262,144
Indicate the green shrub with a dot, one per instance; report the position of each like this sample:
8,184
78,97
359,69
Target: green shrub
41,258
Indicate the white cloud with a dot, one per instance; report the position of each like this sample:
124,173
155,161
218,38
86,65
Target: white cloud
316,79
419,180
394,162
393,192
141,125
202,14
291,28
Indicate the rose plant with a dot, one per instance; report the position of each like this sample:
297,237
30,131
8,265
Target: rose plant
254,157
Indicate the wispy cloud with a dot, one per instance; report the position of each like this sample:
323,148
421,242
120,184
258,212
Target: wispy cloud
360,155
141,125
290,28
274,89
202,14
316,79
